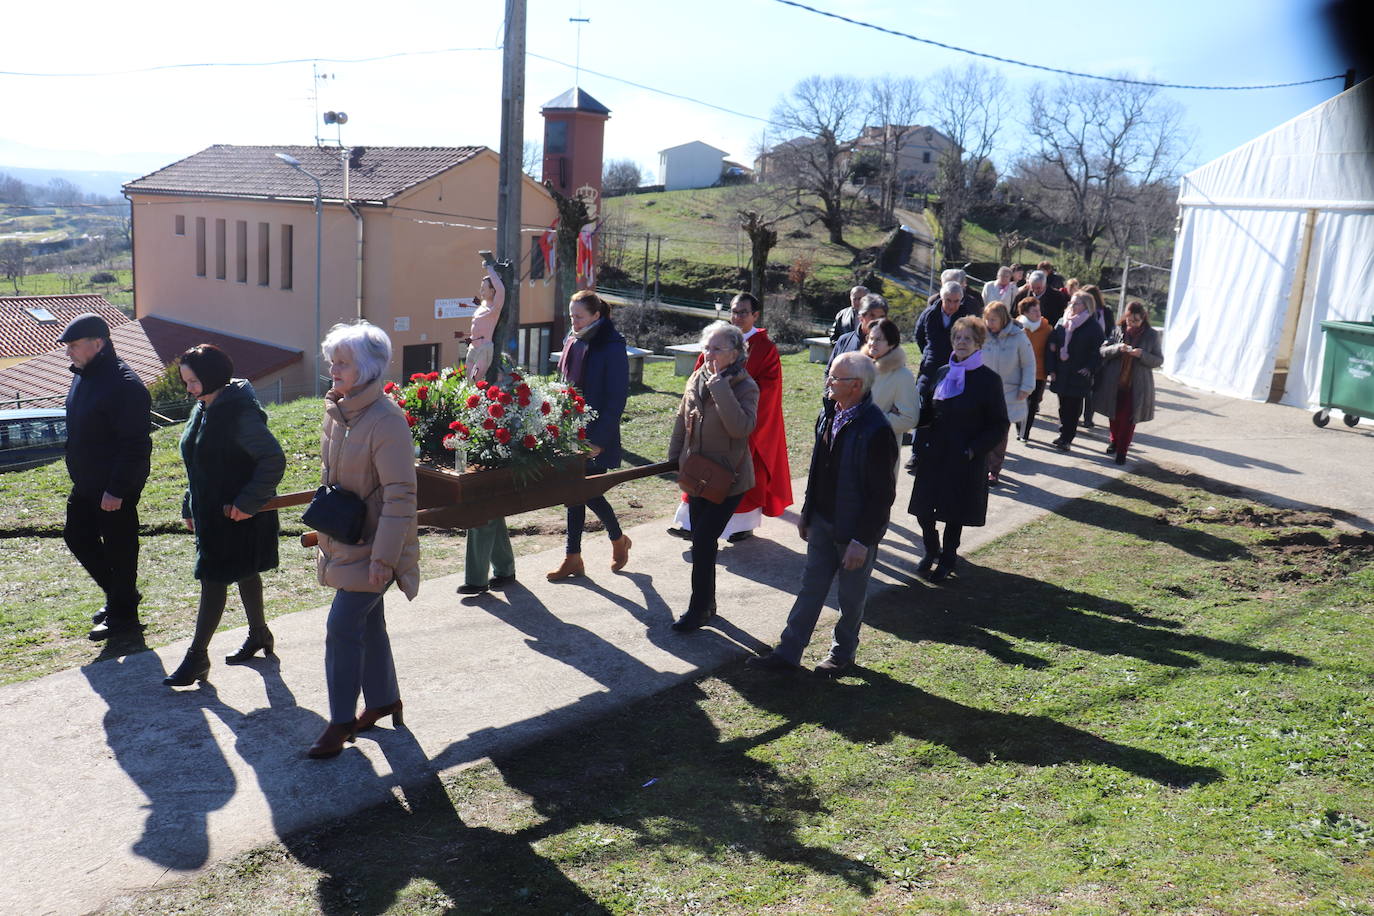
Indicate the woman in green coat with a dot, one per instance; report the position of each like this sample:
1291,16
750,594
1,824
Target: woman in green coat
233,466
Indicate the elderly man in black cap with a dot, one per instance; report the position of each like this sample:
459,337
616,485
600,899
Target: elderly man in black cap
108,449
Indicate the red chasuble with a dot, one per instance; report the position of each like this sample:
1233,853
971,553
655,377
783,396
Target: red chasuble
768,442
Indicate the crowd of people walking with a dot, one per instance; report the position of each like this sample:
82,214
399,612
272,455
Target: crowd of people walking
986,358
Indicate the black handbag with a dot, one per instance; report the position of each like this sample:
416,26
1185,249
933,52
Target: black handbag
336,512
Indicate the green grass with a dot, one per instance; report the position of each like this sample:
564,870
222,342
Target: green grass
46,599
119,293
1155,700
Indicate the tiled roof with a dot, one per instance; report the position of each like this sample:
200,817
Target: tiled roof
22,334
578,100
379,173
148,345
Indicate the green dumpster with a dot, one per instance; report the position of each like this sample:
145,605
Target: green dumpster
1347,371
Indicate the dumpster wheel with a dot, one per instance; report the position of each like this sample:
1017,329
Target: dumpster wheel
1351,420
1321,417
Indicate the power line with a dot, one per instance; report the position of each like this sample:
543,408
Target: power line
1021,63
674,95
260,63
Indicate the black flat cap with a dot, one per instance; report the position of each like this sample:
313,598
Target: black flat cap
87,325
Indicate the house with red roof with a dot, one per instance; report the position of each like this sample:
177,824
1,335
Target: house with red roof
30,325
226,240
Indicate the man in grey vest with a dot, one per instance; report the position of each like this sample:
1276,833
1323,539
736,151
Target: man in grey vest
849,493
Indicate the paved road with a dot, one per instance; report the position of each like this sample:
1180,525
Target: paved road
113,783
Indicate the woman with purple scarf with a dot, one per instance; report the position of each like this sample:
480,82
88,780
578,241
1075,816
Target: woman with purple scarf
1071,361
964,418
594,361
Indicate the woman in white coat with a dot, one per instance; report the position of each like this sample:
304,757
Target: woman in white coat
894,391
1009,353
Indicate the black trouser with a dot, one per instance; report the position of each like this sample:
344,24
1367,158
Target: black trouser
106,546
1070,406
930,536
1032,407
708,521
577,520
1088,406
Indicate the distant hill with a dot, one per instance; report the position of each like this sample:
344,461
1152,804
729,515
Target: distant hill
103,183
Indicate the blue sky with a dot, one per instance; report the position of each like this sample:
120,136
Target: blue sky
737,54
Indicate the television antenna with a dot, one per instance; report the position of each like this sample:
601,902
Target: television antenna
316,78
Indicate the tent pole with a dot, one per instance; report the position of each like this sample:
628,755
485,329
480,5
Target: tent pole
1284,360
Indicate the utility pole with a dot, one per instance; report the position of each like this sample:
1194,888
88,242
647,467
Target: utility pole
658,259
508,187
644,288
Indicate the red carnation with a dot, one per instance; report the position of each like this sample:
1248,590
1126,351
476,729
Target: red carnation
504,398
567,412
418,377
410,420
517,376
389,387
529,442
496,410
400,402
545,408
448,439
580,406
422,392
553,430
474,399
432,377
456,424
482,383
503,436
523,401
581,434
488,423
522,388
493,394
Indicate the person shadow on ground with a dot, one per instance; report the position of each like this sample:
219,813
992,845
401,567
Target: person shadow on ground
161,740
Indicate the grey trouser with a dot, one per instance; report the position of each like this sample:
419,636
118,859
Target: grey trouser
823,564
357,655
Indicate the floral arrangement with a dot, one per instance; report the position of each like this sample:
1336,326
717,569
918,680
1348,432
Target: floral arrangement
522,422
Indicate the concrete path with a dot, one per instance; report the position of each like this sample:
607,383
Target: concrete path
113,783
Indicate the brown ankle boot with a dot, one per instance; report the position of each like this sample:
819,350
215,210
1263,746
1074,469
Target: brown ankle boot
620,552
570,567
331,741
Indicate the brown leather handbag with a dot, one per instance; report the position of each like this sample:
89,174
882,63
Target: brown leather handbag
699,475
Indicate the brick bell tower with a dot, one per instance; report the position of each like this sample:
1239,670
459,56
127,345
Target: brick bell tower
574,131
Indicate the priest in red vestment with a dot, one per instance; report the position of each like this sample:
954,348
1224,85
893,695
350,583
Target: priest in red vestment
772,491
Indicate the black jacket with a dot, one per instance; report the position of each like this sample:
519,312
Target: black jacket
109,442
1084,354
933,337
952,484
1052,302
852,481
231,459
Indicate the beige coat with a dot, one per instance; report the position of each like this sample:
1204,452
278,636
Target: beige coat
894,391
366,447
721,414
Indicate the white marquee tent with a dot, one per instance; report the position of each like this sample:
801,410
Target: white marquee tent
1274,238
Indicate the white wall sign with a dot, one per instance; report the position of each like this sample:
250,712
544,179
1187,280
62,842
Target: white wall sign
454,308
401,324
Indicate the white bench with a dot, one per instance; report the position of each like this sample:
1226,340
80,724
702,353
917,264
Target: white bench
634,354
820,349
684,357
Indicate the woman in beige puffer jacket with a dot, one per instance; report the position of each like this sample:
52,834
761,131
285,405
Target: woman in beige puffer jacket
365,448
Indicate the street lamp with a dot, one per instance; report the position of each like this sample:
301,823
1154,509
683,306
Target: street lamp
319,192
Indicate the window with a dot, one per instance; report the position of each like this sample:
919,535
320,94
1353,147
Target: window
925,157
536,259
200,246
220,232
180,224
286,260
556,137
419,358
241,250
264,254
533,350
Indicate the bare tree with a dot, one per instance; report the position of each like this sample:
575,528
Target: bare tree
532,160
968,106
14,191
895,104
763,237
62,193
620,175
822,115
1099,149
13,262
